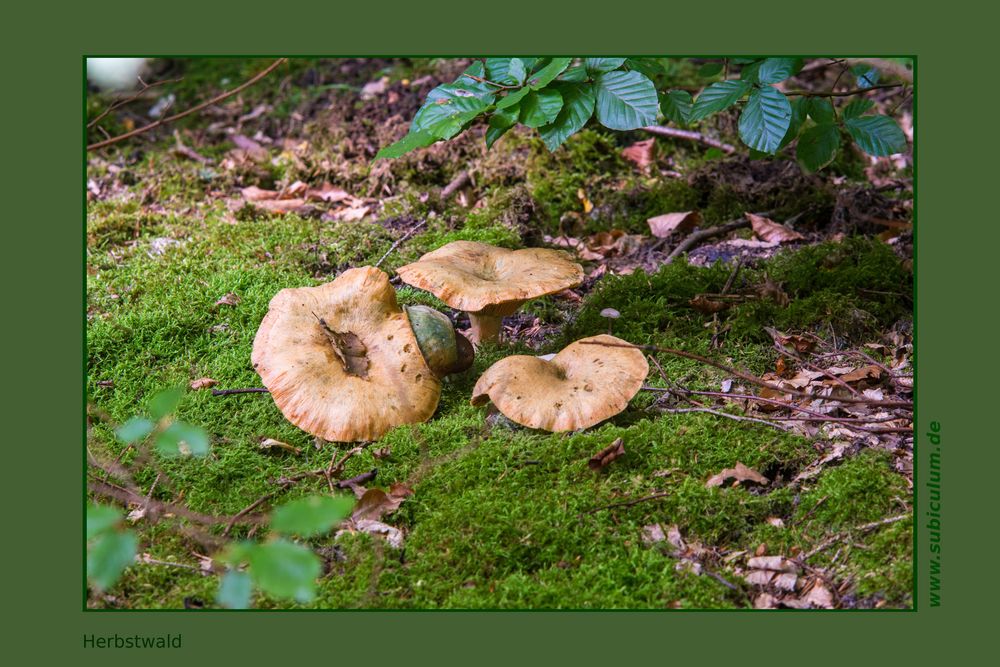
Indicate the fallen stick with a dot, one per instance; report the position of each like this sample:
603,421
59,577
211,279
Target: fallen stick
456,184
696,237
248,390
690,135
194,109
399,242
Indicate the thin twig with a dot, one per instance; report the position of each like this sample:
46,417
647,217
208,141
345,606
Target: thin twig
248,390
399,242
690,135
456,184
628,503
702,234
826,544
846,93
194,109
133,98
748,377
727,415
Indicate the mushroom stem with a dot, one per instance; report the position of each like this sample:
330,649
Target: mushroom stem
485,328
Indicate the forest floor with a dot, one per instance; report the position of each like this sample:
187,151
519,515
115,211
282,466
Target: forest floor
182,262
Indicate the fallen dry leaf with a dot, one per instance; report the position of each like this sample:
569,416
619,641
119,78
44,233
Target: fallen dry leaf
229,299
868,373
640,153
771,231
669,223
375,503
588,205
653,533
740,473
203,383
604,457
703,304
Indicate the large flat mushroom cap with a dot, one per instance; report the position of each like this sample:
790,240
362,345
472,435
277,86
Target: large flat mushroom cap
472,276
385,381
581,386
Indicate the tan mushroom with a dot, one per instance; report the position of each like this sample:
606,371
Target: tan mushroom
490,283
582,385
341,360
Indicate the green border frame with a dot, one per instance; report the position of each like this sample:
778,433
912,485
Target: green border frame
83,470
955,257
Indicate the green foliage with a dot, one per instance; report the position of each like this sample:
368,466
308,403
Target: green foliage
109,549
310,516
558,96
173,438
279,568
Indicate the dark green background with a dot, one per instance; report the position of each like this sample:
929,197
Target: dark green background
43,322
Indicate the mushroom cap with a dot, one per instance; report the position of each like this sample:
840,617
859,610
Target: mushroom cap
581,386
474,277
294,353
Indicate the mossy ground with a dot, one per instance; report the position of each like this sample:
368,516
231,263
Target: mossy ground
500,517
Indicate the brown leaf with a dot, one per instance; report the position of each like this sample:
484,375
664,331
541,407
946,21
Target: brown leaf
604,457
800,343
640,153
870,372
669,223
203,383
771,231
741,473
375,503
703,304
327,193
392,535
255,194
229,299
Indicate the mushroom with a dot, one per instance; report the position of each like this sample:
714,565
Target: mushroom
582,385
343,361
490,283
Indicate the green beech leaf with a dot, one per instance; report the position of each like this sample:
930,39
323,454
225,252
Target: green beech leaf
821,111
799,112
498,70
598,65
134,429
540,107
765,119
651,67
108,557
717,97
818,146
709,69
500,121
578,107
100,518
312,515
574,74
625,100
876,135
411,142
744,61
182,439
867,76
165,402
773,70
513,97
450,106
855,108
516,72
234,590
542,77
284,569
676,105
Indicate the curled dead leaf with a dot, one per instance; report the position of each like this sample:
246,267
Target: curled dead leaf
664,225
771,231
604,457
740,473
640,153
203,383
